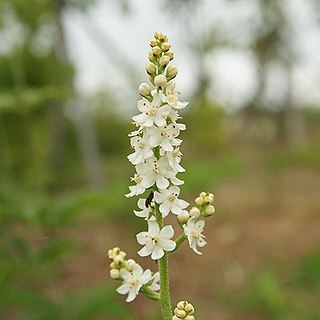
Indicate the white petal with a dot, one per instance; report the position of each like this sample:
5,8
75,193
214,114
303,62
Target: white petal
201,242
165,208
161,182
159,197
166,232
177,181
123,289
132,295
157,253
167,245
143,238
153,228
146,250
137,271
166,145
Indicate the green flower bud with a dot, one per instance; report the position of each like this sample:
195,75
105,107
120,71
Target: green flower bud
160,81
183,217
153,43
172,71
144,89
151,68
170,54
114,273
151,57
156,51
130,264
165,46
199,201
195,212
164,60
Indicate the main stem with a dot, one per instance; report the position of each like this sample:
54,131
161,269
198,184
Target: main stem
164,276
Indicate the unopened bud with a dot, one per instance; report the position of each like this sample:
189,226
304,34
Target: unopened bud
151,57
172,71
180,313
209,210
156,51
199,201
144,89
114,273
113,265
160,81
203,194
175,318
207,199
189,308
183,217
130,264
161,36
164,60
189,317
195,212
153,43
181,304
170,54
165,46
151,68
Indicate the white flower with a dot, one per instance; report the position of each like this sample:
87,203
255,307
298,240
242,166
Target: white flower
155,285
155,171
172,96
174,159
152,113
145,212
133,281
156,241
193,230
143,150
138,188
164,136
168,200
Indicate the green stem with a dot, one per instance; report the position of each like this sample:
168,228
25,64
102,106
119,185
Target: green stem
179,241
164,276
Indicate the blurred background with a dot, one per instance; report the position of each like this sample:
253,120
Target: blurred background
69,73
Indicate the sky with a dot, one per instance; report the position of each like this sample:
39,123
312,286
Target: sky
105,40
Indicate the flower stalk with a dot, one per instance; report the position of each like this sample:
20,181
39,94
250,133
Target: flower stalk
157,158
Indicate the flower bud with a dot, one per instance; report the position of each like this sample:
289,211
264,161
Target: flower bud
210,210
161,36
130,264
151,57
165,46
175,318
114,273
172,71
151,68
160,81
113,265
164,60
189,317
203,194
153,43
144,89
189,308
183,217
180,313
170,54
195,212
199,201
156,51
207,199
181,304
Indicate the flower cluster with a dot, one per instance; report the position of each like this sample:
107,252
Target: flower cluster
156,155
192,222
184,310
134,278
